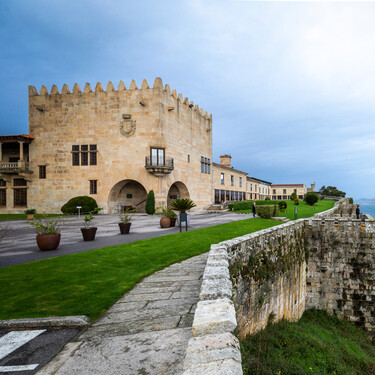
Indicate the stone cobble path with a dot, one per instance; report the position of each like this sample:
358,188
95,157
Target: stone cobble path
144,333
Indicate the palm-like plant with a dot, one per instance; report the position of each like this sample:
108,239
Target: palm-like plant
182,205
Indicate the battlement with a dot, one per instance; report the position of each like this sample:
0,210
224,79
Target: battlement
158,85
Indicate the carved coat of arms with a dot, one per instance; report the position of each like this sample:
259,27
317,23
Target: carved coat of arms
127,126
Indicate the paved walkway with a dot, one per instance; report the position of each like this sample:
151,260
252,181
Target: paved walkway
145,333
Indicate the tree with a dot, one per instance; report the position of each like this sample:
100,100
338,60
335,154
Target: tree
293,196
331,191
311,198
150,203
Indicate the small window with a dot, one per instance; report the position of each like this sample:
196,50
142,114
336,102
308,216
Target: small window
19,182
232,181
3,197
188,158
75,159
93,186
284,191
222,178
75,148
3,182
84,147
93,160
42,171
240,181
274,191
93,148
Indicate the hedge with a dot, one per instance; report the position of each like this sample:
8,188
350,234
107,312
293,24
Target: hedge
247,205
86,203
266,211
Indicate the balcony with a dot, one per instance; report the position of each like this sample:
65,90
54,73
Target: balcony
15,167
159,168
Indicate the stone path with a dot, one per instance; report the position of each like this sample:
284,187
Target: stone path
145,333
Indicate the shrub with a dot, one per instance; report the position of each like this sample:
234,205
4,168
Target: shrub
87,204
351,200
275,210
293,196
267,199
296,202
283,205
243,205
150,203
265,212
311,198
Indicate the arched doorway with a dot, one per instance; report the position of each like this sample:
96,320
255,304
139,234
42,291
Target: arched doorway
177,190
127,193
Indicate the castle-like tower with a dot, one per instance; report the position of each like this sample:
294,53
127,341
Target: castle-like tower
116,146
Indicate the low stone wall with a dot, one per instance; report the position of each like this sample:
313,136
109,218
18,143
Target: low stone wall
341,269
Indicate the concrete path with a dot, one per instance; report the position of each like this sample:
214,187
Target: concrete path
19,245
145,333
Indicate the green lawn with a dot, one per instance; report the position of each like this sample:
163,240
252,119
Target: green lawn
303,209
317,344
23,216
90,282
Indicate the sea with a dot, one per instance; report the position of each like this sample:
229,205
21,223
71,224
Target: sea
367,208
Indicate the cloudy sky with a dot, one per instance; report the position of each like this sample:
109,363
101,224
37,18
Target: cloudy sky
290,85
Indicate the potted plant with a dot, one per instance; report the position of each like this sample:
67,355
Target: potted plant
182,205
125,223
165,221
48,232
172,215
30,212
88,232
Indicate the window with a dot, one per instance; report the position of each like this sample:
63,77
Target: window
284,191
273,191
188,158
19,182
251,187
93,186
157,156
87,152
20,197
3,197
93,151
42,171
205,165
295,190
3,182
232,180
222,178
240,181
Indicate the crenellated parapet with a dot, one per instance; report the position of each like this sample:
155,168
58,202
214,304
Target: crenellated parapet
158,85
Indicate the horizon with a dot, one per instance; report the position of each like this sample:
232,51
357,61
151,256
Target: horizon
289,84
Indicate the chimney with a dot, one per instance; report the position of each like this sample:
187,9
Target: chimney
226,160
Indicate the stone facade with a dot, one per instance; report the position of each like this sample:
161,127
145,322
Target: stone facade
126,142
283,191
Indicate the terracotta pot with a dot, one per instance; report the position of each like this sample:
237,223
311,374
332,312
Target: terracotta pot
48,241
173,221
29,216
88,233
165,222
124,227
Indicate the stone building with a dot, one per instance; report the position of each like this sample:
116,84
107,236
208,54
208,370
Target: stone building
113,145
283,191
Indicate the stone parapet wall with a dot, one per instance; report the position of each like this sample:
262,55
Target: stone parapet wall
341,272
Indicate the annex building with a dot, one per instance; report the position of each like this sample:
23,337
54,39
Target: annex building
116,145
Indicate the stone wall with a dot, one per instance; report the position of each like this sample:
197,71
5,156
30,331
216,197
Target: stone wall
341,272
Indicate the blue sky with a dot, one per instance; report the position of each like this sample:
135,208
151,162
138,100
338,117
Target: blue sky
290,85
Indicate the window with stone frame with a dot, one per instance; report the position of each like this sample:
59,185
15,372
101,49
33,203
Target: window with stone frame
20,197
93,186
42,171
3,197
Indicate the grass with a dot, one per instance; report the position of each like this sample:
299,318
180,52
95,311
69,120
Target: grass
90,282
317,344
23,216
304,210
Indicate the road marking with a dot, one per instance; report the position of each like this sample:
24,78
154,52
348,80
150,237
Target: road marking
18,368
15,339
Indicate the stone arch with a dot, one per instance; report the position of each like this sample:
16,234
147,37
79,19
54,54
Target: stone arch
177,190
127,193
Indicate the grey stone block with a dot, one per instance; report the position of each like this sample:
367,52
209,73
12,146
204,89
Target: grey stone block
216,273
226,367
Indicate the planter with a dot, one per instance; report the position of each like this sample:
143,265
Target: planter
165,222
173,221
48,241
124,227
29,216
88,233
